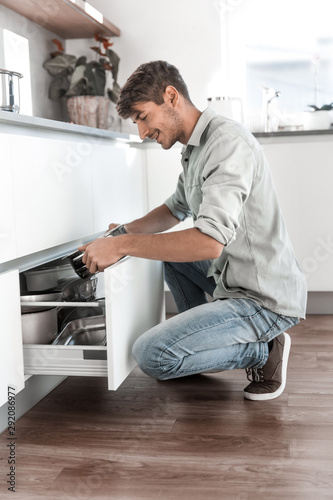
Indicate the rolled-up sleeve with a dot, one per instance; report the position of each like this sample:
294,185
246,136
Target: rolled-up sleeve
228,172
176,203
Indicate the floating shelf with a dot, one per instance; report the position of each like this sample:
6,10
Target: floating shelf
66,18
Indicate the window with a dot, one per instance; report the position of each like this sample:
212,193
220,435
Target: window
285,45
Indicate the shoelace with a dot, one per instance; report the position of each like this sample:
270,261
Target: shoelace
255,374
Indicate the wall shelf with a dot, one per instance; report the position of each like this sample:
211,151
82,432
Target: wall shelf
66,18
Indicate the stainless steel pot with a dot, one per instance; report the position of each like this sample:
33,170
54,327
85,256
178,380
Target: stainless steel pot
40,323
40,327
10,90
76,257
32,297
46,278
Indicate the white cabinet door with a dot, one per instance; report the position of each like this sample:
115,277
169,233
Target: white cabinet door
134,303
303,175
53,192
7,222
119,184
11,354
163,169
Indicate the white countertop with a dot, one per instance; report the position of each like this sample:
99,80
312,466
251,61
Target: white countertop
15,119
44,124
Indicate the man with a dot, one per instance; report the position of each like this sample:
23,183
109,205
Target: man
238,249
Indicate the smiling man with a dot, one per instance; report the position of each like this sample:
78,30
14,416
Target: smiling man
238,250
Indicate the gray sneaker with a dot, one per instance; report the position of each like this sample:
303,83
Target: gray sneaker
269,381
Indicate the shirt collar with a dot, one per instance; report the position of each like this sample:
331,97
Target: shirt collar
200,127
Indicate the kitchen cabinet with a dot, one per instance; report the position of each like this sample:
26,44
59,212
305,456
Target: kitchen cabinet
302,171
66,18
134,303
53,195
163,170
301,166
65,184
11,354
118,183
7,223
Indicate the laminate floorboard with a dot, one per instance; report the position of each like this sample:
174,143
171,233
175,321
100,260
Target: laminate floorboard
193,438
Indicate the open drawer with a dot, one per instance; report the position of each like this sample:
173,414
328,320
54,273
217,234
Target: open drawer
134,302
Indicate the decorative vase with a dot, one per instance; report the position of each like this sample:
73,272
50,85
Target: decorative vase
316,120
89,110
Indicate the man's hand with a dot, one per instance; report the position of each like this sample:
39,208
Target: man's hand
101,253
188,245
112,226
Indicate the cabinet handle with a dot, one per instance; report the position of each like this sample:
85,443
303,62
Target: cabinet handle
95,354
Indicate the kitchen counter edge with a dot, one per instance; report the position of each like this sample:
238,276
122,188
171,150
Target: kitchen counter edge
60,126
13,119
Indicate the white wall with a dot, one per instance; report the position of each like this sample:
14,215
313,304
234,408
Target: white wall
186,33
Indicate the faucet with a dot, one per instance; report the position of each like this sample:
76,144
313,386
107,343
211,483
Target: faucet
269,95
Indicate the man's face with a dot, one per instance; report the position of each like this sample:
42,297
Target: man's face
158,122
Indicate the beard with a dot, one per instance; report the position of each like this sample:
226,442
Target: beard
174,127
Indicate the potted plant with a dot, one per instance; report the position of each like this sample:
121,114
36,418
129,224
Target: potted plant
317,118
83,83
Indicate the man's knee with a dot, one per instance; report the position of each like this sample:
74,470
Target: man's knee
155,360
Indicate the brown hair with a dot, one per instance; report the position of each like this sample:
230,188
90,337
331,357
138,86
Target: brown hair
148,83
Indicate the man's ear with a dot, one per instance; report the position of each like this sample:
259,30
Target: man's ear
171,95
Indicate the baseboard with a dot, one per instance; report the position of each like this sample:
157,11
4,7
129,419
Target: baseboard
170,305
36,388
320,303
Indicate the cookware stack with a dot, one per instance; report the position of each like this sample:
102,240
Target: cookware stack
55,302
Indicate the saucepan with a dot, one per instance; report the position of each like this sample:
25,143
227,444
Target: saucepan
10,90
39,320
76,257
47,277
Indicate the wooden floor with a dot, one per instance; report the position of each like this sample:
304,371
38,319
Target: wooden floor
193,438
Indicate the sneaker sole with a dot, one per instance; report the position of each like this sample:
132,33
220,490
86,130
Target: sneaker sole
276,394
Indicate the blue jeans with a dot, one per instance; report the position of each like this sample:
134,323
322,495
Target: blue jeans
206,336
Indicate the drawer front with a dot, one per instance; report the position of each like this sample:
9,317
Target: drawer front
11,357
65,360
134,296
